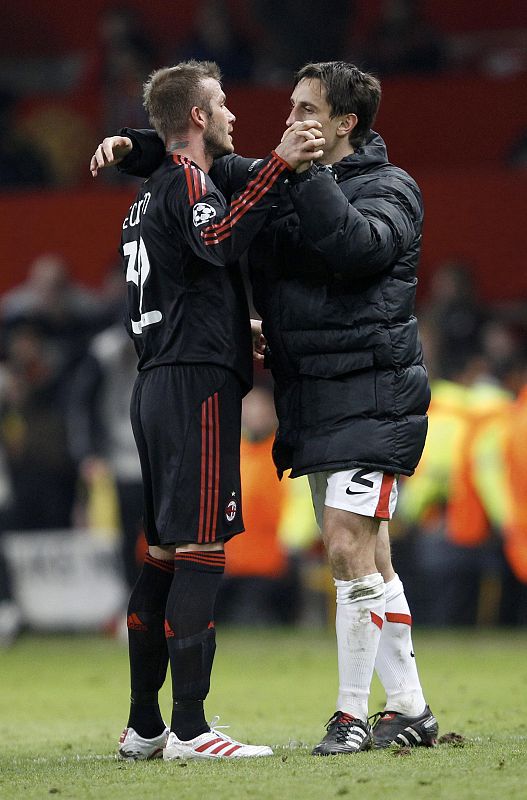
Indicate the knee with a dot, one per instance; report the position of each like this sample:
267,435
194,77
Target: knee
350,544
341,552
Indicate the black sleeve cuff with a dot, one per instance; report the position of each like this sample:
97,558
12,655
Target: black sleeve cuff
148,152
129,161
301,177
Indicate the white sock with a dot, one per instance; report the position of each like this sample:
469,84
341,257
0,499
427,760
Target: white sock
360,612
395,663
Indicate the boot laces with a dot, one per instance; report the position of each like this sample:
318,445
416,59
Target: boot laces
341,724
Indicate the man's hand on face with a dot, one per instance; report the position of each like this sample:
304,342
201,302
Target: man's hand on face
110,152
307,125
301,144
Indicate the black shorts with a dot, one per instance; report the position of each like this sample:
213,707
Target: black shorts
186,423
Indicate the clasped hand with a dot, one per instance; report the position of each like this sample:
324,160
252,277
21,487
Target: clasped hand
301,144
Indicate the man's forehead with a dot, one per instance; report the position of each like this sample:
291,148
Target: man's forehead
309,89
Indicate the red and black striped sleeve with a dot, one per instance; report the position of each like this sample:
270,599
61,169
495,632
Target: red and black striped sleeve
218,232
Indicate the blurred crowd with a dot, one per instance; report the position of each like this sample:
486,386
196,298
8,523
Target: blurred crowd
461,523
68,459
260,42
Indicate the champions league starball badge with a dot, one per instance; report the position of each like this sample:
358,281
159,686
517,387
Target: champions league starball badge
202,213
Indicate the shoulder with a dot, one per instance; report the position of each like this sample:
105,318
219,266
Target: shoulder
400,176
182,181
195,179
405,190
384,181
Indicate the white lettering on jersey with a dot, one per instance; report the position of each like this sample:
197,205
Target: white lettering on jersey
137,271
202,213
135,211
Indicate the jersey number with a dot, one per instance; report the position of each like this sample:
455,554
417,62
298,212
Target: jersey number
137,271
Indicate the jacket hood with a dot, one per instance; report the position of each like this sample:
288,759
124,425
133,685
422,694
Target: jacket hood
371,155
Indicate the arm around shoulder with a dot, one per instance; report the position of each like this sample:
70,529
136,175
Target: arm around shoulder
148,151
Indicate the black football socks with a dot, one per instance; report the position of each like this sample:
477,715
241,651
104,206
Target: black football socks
147,645
190,636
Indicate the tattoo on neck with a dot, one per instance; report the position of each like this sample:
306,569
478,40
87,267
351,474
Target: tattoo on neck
176,146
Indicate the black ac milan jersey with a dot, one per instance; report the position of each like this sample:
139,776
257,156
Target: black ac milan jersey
180,243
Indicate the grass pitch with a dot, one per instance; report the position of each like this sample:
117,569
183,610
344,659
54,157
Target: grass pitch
63,704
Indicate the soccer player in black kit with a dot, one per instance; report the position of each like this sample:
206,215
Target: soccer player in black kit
189,320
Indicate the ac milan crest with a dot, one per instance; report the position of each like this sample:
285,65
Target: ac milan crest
230,511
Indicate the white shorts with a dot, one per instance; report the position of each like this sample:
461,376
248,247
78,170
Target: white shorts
372,494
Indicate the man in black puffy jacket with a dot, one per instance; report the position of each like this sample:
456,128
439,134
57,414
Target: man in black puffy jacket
334,279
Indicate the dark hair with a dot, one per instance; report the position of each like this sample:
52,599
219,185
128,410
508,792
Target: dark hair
348,91
170,93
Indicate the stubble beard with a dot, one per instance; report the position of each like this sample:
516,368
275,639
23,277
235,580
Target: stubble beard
216,142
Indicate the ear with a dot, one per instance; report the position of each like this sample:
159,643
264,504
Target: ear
347,124
198,117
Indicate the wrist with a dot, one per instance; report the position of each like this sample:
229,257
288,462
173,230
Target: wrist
282,160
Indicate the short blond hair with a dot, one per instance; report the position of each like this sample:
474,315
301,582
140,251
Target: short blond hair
170,93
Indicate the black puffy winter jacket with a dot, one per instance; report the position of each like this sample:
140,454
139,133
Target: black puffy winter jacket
334,279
